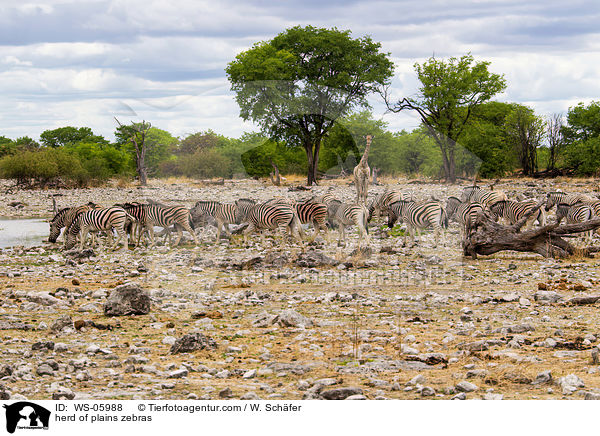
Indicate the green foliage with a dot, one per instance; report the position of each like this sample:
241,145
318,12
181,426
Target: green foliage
525,132
257,161
69,135
485,137
298,84
584,157
449,91
583,122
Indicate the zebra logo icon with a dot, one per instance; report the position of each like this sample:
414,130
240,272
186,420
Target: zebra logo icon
26,415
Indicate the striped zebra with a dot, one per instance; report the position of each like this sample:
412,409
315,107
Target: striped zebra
243,206
595,205
150,215
64,218
223,213
556,197
104,219
464,213
311,212
380,204
324,198
272,216
474,194
345,214
513,211
418,216
576,213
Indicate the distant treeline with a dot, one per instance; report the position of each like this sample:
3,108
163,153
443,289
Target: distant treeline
500,139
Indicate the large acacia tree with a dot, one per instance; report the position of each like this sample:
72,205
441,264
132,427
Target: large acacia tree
298,84
450,92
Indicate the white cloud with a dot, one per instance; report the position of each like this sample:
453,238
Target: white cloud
82,62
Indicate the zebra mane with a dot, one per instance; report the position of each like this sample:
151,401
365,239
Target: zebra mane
60,213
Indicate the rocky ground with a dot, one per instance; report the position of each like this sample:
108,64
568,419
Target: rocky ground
222,320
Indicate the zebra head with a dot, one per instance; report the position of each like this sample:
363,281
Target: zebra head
56,224
395,211
497,209
468,192
553,198
452,206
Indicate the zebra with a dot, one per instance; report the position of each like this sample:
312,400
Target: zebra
556,197
315,213
464,213
576,213
272,216
418,216
224,214
345,214
150,215
381,202
243,206
64,218
475,194
513,211
324,198
107,219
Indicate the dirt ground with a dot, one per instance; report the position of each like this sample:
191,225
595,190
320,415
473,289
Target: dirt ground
294,322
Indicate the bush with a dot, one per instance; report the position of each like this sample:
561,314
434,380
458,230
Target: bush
205,164
55,165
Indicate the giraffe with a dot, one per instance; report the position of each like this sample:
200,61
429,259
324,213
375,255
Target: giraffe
361,175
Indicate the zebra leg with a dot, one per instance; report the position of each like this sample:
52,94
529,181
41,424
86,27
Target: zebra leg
248,230
120,234
219,225
83,236
179,235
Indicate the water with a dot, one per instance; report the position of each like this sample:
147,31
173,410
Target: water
27,232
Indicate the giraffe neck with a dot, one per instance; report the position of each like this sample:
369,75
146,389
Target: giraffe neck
365,156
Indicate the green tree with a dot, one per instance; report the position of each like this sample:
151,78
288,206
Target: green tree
69,135
198,141
582,134
583,122
298,84
525,132
449,92
485,136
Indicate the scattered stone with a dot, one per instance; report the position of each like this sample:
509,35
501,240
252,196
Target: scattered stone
547,297
192,342
570,383
127,299
543,377
61,323
63,393
226,393
291,318
465,386
340,393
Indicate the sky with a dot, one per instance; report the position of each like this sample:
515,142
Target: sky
85,62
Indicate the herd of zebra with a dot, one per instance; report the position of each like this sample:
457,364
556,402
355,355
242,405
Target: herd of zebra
324,212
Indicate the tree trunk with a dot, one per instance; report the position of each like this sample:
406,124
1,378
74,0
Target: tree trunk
486,237
141,168
313,162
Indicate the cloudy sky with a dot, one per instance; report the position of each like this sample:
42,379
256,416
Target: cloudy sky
83,62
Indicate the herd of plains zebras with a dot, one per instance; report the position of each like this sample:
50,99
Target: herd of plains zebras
323,212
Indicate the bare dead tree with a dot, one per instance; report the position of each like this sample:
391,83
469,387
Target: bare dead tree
554,134
136,134
485,236
275,177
